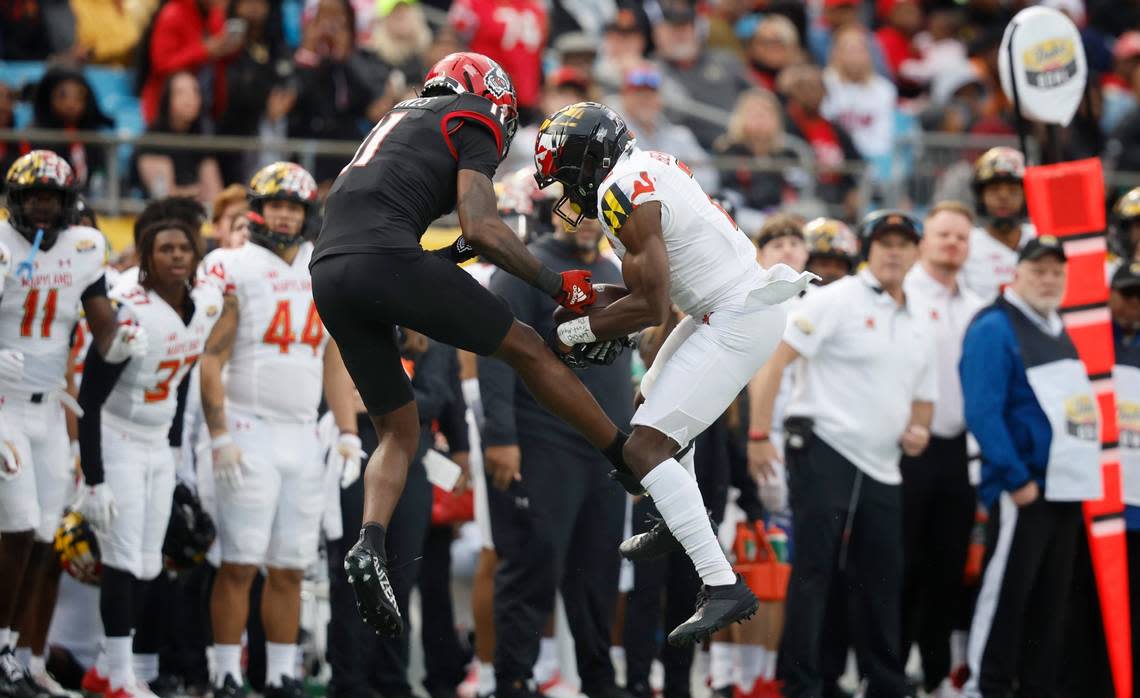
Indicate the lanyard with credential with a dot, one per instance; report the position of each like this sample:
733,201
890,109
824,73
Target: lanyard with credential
26,268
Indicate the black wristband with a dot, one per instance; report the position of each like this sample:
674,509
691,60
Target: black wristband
549,282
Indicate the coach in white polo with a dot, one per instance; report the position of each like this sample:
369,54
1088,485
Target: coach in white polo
863,397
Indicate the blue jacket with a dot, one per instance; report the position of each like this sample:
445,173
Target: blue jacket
1002,410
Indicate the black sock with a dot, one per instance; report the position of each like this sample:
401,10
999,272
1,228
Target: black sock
373,535
613,452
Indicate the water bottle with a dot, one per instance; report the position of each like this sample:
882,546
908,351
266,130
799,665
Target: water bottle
779,540
746,548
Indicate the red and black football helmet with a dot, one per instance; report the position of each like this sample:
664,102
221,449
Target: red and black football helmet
474,73
40,170
579,145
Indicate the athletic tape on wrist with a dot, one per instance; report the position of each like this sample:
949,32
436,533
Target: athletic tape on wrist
221,440
577,331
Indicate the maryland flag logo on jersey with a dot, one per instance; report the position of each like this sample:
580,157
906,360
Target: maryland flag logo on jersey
615,209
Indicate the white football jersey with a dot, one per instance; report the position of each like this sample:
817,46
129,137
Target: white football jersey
990,264
146,393
276,369
710,260
38,313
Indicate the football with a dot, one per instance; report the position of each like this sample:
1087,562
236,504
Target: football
605,294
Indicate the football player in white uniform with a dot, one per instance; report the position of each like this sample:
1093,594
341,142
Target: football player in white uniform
675,245
262,419
57,271
998,177
128,407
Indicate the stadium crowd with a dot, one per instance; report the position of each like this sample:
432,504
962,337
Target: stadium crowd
863,483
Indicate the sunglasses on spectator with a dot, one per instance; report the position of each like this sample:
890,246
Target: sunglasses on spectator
649,79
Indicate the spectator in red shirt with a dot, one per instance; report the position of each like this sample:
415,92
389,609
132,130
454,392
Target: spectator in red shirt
774,46
511,32
902,20
187,35
802,87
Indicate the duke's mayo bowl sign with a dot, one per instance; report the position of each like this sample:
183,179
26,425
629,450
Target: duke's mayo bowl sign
1042,53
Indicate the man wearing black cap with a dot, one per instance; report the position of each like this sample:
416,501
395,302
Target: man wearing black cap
1030,404
863,399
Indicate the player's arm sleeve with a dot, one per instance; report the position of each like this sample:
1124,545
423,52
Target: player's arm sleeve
453,421
617,202
986,368
812,322
431,384
97,289
475,146
174,436
99,378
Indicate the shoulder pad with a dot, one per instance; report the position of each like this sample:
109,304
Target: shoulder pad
438,103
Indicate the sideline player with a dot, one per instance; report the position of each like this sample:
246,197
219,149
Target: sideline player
1003,229
123,435
425,157
262,419
675,245
57,270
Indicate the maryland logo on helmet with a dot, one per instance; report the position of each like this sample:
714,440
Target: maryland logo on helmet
283,180
40,169
1128,207
999,164
828,237
78,549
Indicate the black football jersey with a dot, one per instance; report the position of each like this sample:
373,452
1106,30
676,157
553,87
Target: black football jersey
402,176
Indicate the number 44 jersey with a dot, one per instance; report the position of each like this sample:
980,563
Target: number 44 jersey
40,308
277,366
145,395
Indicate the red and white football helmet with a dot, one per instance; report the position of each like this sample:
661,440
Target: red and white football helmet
483,77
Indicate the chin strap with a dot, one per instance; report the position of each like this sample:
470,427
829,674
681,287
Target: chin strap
26,268
260,233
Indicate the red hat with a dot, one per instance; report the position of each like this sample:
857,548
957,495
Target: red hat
884,8
569,76
841,3
1127,46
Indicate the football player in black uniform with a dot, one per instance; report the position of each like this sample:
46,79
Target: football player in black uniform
424,158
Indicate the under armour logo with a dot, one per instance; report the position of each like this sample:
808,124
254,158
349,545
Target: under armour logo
577,295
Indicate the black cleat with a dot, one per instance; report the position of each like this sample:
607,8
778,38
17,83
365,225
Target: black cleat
717,607
14,681
230,688
368,574
165,686
289,688
657,542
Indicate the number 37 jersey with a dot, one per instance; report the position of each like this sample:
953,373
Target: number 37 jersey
146,393
277,366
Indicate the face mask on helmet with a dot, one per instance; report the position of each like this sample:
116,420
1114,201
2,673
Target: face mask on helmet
281,181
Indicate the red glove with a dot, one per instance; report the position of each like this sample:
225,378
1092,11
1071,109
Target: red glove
577,292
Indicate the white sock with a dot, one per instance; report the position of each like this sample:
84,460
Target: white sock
227,661
770,667
679,501
146,667
37,665
753,659
120,664
721,656
547,665
24,656
101,667
14,639
280,662
485,678
5,637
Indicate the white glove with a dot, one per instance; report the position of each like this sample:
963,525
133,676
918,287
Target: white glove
345,457
11,365
130,341
228,463
9,460
96,504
